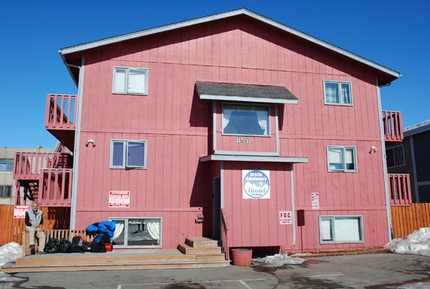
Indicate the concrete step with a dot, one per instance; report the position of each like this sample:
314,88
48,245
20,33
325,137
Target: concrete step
115,260
13,268
201,242
188,250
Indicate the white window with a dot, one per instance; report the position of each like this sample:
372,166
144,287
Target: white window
6,164
341,229
128,154
395,156
245,119
130,80
137,232
5,191
337,93
341,159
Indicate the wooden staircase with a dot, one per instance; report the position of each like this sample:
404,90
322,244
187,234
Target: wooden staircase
194,253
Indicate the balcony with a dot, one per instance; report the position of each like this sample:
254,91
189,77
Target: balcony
60,118
400,189
393,128
44,177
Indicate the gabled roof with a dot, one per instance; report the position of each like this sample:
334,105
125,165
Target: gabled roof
392,75
417,128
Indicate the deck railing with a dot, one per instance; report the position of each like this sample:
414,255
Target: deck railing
56,187
400,189
393,128
60,112
50,175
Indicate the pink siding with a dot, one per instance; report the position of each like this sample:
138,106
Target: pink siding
256,222
177,125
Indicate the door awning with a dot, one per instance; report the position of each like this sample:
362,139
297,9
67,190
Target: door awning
245,93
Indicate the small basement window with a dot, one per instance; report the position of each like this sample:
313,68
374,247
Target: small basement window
341,229
137,232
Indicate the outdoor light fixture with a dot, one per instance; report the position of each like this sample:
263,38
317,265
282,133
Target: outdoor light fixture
90,141
373,149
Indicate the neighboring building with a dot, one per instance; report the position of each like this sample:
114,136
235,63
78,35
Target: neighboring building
412,157
7,184
231,126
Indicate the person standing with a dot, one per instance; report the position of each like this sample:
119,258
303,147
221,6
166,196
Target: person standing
34,225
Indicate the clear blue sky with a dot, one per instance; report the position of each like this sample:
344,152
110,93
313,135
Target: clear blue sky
392,33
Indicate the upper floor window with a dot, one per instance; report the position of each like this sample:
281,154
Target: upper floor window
395,156
341,159
245,119
128,154
336,92
6,164
5,191
130,80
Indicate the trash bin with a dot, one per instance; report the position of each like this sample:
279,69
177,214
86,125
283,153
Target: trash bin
241,256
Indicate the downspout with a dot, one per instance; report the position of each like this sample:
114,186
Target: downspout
384,161
77,146
293,206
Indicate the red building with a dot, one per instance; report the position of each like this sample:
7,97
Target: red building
231,126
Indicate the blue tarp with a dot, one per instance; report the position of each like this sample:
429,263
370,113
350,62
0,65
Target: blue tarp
107,227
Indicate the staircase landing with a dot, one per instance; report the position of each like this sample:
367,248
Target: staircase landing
123,259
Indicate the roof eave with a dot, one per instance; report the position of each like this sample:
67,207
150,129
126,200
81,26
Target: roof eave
77,48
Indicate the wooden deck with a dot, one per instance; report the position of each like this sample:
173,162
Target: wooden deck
120,259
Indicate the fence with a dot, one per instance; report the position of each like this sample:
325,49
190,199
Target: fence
11,228
406,219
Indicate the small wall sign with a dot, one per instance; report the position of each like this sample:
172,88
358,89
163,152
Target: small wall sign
315,198
284,217
119,199
19,211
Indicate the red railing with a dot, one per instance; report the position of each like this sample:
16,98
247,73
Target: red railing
60,112
56,187
400,189
46,175
393,128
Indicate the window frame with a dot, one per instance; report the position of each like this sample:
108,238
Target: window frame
125,158
4,190
6,164
339,84
333,230
344,169
126,90
392,148
126,234
268,134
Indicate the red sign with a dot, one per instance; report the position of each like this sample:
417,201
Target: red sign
284,217
19,211
119,199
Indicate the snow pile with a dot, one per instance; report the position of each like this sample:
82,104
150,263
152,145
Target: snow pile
10,252
417,243
279,260
7,278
